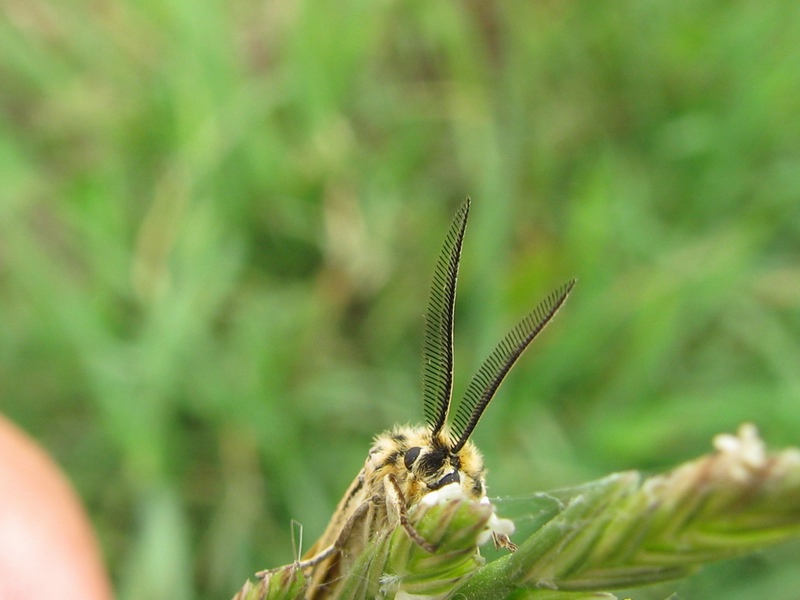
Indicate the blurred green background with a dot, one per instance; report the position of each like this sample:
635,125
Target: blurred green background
218,223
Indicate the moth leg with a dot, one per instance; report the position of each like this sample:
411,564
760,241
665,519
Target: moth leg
501,540
336,546
395,499
303,564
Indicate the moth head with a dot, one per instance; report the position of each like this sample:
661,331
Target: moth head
423,463
439,465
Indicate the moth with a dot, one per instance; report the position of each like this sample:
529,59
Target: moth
407,464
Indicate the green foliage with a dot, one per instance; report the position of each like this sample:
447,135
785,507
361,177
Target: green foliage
218,223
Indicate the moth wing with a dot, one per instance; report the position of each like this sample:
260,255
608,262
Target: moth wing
348,532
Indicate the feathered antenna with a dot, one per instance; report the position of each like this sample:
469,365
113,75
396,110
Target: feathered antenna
490,375
437,350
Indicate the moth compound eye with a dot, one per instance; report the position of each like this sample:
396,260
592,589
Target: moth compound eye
411,456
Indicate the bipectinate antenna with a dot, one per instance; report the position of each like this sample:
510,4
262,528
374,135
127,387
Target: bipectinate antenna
437,350
490,375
